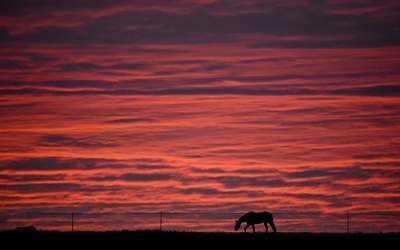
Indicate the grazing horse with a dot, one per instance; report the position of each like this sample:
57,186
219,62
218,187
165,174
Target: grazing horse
26,229
252,218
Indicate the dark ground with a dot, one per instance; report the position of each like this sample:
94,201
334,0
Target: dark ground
160,239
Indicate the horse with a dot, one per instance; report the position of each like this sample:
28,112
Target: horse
26,229
252,218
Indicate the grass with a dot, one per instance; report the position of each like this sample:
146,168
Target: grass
169,239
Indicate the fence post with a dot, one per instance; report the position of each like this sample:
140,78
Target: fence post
161,221
348,221
72,221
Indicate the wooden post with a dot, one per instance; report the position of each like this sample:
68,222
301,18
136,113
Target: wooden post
348,221
72,221
161,221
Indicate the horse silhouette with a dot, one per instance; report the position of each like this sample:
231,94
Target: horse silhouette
251,218
26,229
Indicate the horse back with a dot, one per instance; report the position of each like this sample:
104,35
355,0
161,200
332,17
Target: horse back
256,218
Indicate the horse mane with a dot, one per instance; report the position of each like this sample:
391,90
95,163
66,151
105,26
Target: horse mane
245,216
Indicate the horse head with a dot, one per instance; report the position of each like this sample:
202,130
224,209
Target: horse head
237,225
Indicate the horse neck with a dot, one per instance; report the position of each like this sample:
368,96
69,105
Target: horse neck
243,218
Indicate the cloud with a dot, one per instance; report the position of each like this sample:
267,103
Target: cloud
120,23
68,141
54,164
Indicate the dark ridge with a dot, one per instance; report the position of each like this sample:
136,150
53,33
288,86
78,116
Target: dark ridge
173,238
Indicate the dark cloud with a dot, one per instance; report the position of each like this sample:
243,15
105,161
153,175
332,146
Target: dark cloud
308,173
131,177
146,177
56,164
71,67
382,90
12,64
248,181
142,166
90,87
204,191
129,120
62,140
43,187
206,26
31,178
11,107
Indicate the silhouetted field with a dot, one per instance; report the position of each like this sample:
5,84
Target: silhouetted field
173,239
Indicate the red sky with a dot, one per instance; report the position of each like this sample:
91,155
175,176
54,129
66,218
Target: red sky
118,110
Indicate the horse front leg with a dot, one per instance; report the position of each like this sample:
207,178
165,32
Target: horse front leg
246,227
254,228
266,227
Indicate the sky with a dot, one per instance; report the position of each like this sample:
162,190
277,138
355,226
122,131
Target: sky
122,114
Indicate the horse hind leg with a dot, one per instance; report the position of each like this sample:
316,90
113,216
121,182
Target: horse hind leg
273,226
